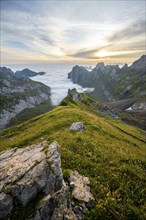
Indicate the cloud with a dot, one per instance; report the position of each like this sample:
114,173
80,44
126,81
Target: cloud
133,30
70,30
90,54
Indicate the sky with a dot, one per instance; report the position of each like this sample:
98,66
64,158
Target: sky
35,31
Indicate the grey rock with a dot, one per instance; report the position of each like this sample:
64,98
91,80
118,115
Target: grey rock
30,170
74,95
100,66
6,205
79,211
27,172
81,189
56,206
77,126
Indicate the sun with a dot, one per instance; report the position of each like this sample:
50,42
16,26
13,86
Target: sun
102,54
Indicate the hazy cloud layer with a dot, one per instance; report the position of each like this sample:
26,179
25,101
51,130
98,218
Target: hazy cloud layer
34,31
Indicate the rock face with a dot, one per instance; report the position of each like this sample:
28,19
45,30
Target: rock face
28,172
25,172
77,126
77,73
112,83
6,205
18,93
140,63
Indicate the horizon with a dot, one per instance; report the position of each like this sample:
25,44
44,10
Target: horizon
87,32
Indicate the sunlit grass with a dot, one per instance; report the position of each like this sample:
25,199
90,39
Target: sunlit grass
111,153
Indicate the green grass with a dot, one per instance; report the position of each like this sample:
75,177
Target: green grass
112,154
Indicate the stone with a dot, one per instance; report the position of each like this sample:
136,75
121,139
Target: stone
81,190
79,211
77,126
6,205
28,172
25,172
74,95
56,206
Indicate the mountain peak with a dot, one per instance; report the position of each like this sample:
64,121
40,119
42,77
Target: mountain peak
125,66
140,63
100,66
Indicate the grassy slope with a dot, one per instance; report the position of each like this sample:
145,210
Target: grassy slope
111,153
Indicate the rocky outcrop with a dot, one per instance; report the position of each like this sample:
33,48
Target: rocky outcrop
36,170
77,126
26,172
74,95
18,93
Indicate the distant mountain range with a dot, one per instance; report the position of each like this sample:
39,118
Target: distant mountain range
27,73
112,83
18,92
22,98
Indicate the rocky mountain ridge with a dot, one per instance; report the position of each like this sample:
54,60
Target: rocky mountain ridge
112,83
18,93
94,144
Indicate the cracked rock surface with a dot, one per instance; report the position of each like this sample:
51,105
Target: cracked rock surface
33,171
26,172
81,188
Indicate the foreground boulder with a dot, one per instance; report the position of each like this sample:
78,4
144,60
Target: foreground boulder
26,172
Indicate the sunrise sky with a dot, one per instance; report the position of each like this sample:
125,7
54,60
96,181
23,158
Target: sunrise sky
71,31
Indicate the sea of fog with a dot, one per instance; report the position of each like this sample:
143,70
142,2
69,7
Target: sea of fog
56,76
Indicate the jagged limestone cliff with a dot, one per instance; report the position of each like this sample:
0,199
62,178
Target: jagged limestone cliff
18,93
110,82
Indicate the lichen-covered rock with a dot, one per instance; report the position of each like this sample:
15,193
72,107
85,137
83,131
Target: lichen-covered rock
81,188
77,126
